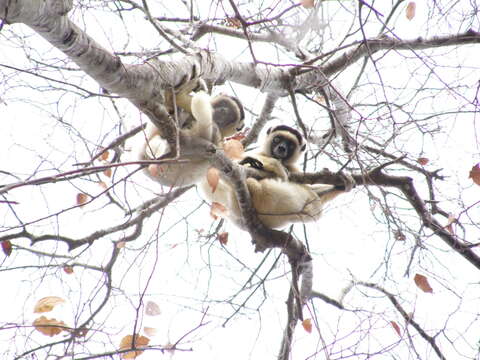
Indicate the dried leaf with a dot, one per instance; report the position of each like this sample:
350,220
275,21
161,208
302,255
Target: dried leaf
307,325
103,185
104,155
82,199
451,220
233,149
47,304
108,172
422,161
307,4
223,238
422,282
7,247
120,244
399,235
152,309
396,328
213,177
49,327
410,12
217,210
475,174
150,331
68,269
234,22
127,342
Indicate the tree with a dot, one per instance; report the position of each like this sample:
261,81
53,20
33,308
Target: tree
103,261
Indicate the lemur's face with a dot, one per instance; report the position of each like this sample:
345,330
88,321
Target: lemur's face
283,147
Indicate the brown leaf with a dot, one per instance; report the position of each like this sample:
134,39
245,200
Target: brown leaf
422,161
422,282
399,235
396,328
475,174
307,325
307,4
152,309
127,342
68,269
410,12
223,238
82,198
217,210
108,172
47,304
234,22
213,177
7,247
451,220
104,155
103,185
49,327
233,149
238,136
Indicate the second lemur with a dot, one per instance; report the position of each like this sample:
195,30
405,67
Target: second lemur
201,119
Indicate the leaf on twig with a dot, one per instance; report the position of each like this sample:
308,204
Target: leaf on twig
410,11
307,325
396,328
422,283
475,174
128,342
49,327
308,4
223,238
7,247
213,177
217,210
47,304
152,308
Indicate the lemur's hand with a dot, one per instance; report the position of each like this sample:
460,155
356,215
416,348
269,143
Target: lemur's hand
254,163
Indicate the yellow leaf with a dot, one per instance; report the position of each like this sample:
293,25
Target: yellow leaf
48,327
152,309
410,12
307,325
233,149
46,304
213,177
128,343
422,282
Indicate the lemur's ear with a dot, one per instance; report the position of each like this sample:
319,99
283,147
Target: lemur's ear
303,147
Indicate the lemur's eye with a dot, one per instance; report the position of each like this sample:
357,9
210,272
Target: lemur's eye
276,139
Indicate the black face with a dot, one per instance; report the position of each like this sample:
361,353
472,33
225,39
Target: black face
224,114
282,147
